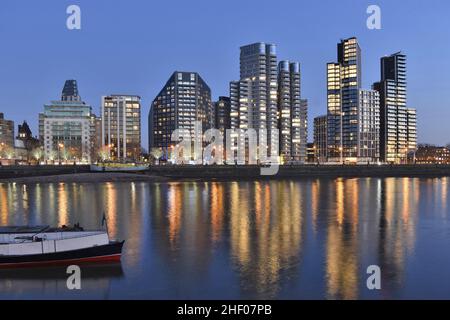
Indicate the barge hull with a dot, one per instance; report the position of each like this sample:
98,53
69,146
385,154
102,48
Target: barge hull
107,253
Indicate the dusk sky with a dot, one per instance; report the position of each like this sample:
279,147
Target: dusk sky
133,46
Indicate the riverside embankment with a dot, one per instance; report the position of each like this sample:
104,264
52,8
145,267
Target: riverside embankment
300,171
29,174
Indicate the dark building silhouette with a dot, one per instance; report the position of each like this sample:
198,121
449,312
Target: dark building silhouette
222,109
26,136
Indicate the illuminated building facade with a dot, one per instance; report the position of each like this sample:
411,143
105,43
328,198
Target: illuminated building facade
65,127
254,98
292,113
121,127
6,133
432,155
343,85
369,126
185,99
393,110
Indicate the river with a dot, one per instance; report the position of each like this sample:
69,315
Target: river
279,239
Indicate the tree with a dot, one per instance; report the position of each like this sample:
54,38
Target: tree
64,154
37,154
103,153
156,154
8,152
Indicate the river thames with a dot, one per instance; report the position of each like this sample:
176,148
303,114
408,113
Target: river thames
279,239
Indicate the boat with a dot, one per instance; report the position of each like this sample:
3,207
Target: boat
46,246
113,167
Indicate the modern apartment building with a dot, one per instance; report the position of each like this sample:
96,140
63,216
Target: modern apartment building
369,126
393,110
121,127
185,99
291,112
343,85
65,127
254,98
320,138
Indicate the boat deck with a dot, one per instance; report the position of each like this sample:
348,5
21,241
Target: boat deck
23,229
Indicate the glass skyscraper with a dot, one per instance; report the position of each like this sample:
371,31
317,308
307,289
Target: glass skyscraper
393,110
343,85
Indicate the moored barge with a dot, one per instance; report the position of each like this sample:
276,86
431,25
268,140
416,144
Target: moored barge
45,246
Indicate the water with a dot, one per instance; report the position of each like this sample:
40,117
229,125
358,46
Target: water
300,239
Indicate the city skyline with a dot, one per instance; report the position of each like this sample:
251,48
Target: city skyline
423,95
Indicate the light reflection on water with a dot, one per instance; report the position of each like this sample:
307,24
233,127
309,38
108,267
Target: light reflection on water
229,240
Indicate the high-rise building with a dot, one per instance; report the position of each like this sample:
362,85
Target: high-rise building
222,110
393,111
320,138
6,133
121,127
254,97
411,124
292,113
343,84
185,99
65,127
369,126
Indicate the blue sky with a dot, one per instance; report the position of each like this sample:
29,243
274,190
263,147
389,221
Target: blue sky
133,46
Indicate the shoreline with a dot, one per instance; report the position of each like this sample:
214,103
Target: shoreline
219,173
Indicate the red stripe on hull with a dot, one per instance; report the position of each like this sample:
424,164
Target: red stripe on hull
100,259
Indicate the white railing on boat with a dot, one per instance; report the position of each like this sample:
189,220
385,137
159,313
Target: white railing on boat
14,244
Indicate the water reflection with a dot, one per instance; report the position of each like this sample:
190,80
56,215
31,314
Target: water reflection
268,239
52,282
